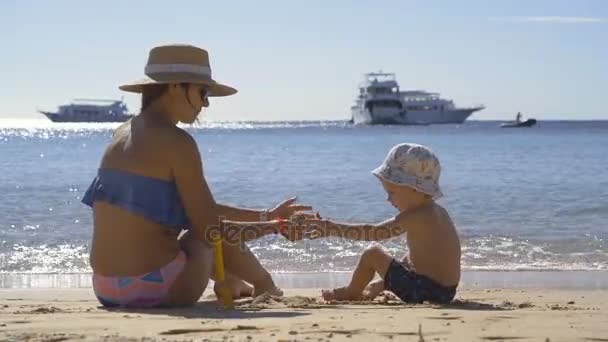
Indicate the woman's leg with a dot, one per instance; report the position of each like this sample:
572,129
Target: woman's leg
192,281
243,265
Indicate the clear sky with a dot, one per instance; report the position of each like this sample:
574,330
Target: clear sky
303,60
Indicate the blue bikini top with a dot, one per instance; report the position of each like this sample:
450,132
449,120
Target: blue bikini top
155,199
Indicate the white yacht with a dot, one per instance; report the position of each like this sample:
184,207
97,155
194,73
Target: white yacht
380,101
90,110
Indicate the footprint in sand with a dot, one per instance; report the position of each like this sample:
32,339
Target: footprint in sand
189,331
447,318
45,310
41,310
246,327
502,338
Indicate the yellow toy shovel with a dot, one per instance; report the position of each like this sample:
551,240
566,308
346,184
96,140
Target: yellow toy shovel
225,297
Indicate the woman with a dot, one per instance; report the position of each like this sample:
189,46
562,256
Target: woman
150,186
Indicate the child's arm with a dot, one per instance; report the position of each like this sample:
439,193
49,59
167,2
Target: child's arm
366,232
390,228
355,231
284,209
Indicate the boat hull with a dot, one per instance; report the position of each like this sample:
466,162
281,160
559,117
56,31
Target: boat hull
453,116
99,118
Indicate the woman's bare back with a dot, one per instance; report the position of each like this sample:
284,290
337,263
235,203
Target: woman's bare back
125,243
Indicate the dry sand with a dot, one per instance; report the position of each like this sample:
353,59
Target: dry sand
476,315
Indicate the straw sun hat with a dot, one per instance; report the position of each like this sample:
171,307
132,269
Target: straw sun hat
179,64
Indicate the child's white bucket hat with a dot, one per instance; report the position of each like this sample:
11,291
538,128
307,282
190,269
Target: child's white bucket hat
414,166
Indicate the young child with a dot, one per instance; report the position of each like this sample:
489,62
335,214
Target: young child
431,272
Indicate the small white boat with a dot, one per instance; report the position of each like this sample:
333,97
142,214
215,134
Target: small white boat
527,123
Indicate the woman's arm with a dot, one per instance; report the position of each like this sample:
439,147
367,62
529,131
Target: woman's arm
199,204
237,232
283,210
234,213
204,213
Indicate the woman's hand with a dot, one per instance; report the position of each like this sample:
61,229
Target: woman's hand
287,208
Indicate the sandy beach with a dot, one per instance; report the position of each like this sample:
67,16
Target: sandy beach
476,315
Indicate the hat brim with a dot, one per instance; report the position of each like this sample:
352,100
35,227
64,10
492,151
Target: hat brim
215,89
434,192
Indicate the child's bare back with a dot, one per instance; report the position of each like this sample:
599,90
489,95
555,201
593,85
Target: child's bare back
433,244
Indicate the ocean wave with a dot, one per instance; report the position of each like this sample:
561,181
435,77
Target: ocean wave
65,258
40,127
331,256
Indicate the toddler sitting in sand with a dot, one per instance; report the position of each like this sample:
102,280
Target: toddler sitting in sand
431,272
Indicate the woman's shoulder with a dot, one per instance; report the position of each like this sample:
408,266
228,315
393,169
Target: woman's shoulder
179,146
168,135
183,136
140,141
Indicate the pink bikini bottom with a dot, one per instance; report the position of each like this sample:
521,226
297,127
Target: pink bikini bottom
142,291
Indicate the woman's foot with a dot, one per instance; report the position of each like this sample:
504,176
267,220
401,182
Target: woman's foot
272,290
266,285
340,293
238,288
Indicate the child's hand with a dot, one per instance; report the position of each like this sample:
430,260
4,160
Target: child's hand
300,220
290,230
315,228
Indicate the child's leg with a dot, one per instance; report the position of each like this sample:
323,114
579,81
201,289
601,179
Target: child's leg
373,289
374,259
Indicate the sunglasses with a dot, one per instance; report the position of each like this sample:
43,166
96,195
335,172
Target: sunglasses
204,91
204,94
